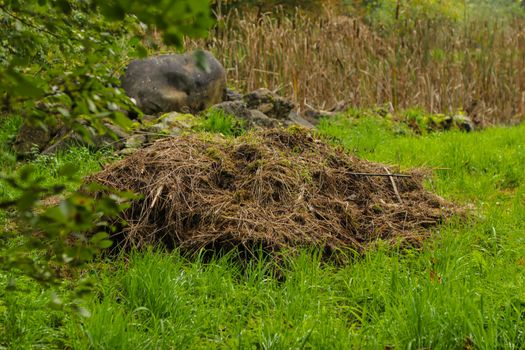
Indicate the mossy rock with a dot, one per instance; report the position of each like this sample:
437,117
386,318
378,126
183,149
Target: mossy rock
171,124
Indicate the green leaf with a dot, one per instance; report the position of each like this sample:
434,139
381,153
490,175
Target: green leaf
26,172
134,41
55,214
27,200
172,37
68,170
112,11
65,209
100,236
121,120
24,86
64,111
64,6
140,51
105,244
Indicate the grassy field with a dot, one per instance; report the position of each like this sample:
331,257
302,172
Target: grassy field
464,289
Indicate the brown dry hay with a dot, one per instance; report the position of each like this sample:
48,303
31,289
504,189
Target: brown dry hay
276,189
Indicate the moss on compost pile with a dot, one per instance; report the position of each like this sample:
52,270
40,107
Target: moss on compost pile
279,189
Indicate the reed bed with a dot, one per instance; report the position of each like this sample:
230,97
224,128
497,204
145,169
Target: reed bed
476,66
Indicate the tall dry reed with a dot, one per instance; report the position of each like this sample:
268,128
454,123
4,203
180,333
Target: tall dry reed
476,66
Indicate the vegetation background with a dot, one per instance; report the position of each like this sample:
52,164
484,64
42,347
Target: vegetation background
443,56
59,64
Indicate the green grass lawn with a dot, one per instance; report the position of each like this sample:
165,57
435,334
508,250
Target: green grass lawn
464,289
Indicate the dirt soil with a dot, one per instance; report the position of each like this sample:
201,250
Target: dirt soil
276,189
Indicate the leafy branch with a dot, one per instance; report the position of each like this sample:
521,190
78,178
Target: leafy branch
58,60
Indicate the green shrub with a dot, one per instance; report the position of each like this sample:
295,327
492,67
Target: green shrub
59,64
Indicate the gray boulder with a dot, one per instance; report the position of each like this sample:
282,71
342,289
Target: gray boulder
175,83
260,119
238,109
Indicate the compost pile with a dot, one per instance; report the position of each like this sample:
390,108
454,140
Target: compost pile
276,189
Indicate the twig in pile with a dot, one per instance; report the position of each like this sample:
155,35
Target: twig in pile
393,184
386,175
156,197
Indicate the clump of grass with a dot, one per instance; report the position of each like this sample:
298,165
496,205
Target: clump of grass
217,121
9,126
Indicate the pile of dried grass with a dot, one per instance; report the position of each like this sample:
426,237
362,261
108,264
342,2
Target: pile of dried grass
279,189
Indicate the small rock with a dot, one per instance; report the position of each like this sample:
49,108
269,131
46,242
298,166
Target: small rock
271,104
315,115
117,130
463,122
127,151
136,141
237,109
231,95
295,118
170,124
31,139
260,119
252,117
266,108
255,110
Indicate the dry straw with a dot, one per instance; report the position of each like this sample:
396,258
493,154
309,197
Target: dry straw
277,189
